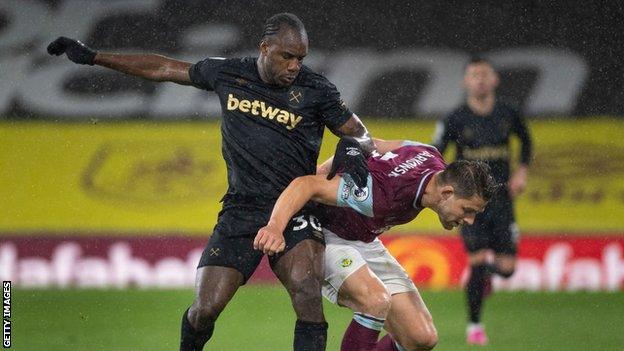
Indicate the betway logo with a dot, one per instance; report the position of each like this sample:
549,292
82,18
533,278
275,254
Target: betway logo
260,108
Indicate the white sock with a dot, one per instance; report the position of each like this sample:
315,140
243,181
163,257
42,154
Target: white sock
473,326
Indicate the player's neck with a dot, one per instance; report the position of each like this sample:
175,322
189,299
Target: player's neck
481,105
260,62
428,198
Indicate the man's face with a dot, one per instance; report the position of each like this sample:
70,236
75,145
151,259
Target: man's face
284,55
455,211
480,79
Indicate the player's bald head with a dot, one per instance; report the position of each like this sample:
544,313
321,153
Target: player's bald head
284,23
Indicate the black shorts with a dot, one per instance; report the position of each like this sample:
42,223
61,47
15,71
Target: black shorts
493,229
231,243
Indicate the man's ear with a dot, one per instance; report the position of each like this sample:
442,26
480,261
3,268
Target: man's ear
447,191
264,47
496,80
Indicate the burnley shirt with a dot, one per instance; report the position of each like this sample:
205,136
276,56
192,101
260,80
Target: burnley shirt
395,187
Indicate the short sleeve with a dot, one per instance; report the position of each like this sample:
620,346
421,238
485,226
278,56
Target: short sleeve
349,195
204,73
333,109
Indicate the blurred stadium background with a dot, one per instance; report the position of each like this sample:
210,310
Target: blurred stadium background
110,185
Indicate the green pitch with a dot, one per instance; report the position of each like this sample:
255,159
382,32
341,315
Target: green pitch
260,318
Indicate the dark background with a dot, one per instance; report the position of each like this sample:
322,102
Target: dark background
592,29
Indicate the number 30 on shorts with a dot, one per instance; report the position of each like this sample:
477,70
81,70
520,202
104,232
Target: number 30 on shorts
302,222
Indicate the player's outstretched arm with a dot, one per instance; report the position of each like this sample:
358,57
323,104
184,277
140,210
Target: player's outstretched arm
149,66
270,239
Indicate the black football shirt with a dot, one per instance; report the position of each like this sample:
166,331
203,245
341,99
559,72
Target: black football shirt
270,134
485,138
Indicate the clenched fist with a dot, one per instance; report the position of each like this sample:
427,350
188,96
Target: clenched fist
75,50
269,240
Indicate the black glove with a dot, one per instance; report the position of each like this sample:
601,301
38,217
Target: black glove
350,159
75,50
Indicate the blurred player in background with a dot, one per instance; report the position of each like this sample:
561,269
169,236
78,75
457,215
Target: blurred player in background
359,271
274,113
481,130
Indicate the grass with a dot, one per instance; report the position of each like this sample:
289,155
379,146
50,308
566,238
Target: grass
260,318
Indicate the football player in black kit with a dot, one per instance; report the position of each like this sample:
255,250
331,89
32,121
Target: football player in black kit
274,113
481,130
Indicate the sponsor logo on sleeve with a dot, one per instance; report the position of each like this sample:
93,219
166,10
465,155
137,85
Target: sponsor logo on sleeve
360,195
346,189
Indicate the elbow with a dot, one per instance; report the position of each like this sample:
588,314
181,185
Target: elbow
164,70
304,183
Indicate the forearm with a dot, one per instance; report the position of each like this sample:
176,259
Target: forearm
366,142
292,199
526,152
357,130
325,167
298,193
150,66
522,169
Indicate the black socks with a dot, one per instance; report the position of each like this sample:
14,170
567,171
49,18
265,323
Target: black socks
191,339
474,289
310,336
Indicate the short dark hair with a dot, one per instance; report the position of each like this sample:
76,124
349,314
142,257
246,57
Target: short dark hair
273,25
477,60
469,178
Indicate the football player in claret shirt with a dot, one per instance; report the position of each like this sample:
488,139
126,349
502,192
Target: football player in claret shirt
405,177
274,112
481,129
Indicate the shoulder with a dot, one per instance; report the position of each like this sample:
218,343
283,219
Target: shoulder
458,113
311,79
508,107
419,145
457,116
239,64
222,63
425,150
408,152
